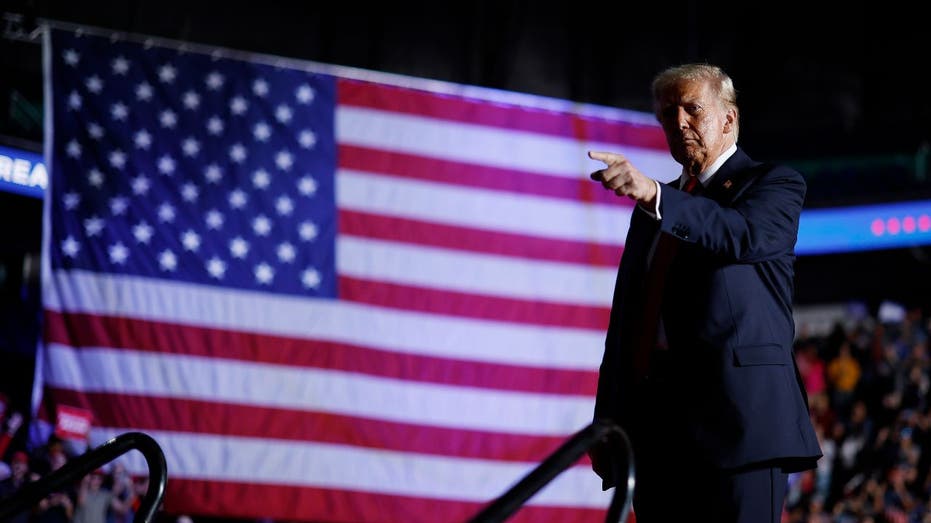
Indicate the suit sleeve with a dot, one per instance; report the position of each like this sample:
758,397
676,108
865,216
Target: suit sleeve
761,224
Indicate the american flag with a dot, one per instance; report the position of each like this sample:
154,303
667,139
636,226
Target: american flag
329,294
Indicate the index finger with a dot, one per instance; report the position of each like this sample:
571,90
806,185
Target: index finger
606,157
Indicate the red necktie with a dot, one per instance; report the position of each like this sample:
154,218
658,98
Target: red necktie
663,254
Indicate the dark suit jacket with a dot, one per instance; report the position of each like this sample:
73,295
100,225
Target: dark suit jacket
728,318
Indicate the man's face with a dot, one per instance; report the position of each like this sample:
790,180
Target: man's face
698,125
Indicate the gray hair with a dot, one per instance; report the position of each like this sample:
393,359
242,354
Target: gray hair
720,82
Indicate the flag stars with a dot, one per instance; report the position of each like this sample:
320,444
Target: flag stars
214,81
117,159
94,84
73,149
142,139
118,205
261,225
261,179
261,131
307,139
310,278
93,226
167,261
283,114
284,160
74,100
237,199
286,252
189,192
167,165
238,153
216,268
239,248
264,274
71,57
238,105
144,92
140,185
214,219
167,74
71,200
307,231
304,94
119,66
166,213
119,111
213,173
190,240
95,178
191,100
70,247
142,231
118,253
168,119
215,125
95,131
307,186
284,205
260,87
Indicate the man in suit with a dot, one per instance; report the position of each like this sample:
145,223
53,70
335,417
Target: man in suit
698,366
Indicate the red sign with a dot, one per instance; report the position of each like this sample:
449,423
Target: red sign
73,423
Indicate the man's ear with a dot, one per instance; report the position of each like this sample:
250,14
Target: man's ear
730,120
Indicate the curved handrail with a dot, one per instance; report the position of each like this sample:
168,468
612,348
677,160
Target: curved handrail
568,453
31,493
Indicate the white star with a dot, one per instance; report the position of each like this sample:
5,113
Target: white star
284,160
95,178
214,219
264,273
71,200
239,248
307,185
140,185
70,247
237,199
286,252
213,173
166,213
166,165
283,114
93,226
190,240
189,192
95,131
73,149
305,94
284,205
71,57
237,153
190,146
307,139
118,159
142,139
260,87
74,100
261,131
310,278
238,105
261,179
143,232
144,92
94,84
191,100
307,231
119,111
216,267
118,205
214,81
215,125
167,73
168,118
118,253
120,65
167,260
261,225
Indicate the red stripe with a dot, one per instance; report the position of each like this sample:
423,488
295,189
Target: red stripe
474,111
151,413
89,330
475,175
294,503
382,227
463,304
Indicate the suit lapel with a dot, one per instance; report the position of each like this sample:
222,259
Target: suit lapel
732,178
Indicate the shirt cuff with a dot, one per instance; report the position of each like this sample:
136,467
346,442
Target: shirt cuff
654,213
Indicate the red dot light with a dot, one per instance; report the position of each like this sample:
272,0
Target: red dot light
878,227
924,223
908,224
893,225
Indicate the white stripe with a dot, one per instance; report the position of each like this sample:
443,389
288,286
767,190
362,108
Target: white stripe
326,320
251,460
475,273
125,371
498,147
482,208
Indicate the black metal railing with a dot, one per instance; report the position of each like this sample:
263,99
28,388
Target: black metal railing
32,493
568,453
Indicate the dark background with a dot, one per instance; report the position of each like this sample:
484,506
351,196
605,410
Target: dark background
836,90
